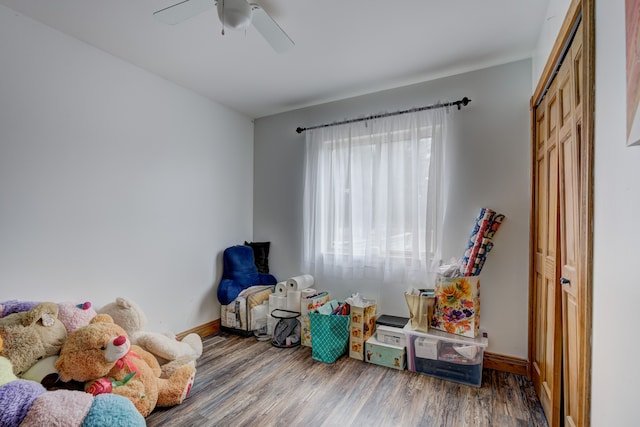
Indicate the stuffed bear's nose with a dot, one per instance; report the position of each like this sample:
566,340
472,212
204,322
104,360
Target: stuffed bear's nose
119,340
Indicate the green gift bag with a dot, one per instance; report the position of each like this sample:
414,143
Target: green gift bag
329,336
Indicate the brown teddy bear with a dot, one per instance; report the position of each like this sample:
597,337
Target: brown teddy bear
32,335
101,355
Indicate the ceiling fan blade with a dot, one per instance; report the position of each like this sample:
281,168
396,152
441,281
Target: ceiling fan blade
182,11
270,30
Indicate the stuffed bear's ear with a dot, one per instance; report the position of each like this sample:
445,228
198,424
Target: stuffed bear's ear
46,313
123,302
102,318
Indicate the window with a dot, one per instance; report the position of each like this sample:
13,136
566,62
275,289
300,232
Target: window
373,202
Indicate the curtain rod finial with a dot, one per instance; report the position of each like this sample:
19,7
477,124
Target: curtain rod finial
300,130
462,103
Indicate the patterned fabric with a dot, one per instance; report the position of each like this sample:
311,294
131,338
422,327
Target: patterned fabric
329,336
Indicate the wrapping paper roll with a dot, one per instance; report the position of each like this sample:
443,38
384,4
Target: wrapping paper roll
281,289
485,227
297,283
293,300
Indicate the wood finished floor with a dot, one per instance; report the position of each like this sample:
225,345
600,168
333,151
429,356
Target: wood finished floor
245,382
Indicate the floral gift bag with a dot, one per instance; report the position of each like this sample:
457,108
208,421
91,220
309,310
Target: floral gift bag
457,305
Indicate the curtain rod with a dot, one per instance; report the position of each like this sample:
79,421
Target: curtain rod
461,102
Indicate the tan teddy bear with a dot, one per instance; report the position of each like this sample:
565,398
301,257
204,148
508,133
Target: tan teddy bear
32,335
102,355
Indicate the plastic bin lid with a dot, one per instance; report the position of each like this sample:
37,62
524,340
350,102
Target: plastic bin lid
481,340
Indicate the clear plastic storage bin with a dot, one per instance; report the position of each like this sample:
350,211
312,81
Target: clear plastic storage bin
446,356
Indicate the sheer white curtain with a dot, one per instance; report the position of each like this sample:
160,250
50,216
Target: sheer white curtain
374,198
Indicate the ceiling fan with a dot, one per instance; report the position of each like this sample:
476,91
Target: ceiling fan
234,14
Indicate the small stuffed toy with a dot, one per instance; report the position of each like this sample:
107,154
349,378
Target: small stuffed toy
101,355
32,335
170,352
74,315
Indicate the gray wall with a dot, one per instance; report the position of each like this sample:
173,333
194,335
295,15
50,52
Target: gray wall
113,181
616,290
490,166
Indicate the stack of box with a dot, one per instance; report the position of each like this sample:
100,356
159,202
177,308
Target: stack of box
363,323
450,345
387,346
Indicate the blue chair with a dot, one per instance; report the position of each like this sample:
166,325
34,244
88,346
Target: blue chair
239,273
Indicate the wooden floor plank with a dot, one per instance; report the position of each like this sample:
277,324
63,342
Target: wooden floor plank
245,382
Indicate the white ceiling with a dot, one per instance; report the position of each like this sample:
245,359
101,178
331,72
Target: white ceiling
342,48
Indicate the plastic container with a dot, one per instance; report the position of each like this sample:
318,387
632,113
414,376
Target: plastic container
446,356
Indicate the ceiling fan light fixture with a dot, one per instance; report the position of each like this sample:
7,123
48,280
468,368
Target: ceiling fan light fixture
234,14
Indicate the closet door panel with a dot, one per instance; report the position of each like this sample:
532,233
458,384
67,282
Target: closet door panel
547,356
571,78
562,216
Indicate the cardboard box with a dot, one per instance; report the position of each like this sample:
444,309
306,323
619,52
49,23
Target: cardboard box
363,325
457,305
390,335
446,356
379,353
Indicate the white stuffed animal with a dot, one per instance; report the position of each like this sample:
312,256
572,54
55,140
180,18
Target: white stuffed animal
170,352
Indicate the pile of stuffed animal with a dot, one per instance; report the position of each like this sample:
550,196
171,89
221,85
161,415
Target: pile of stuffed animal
69,365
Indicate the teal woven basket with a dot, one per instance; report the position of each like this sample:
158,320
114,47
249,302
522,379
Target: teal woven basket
329,336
